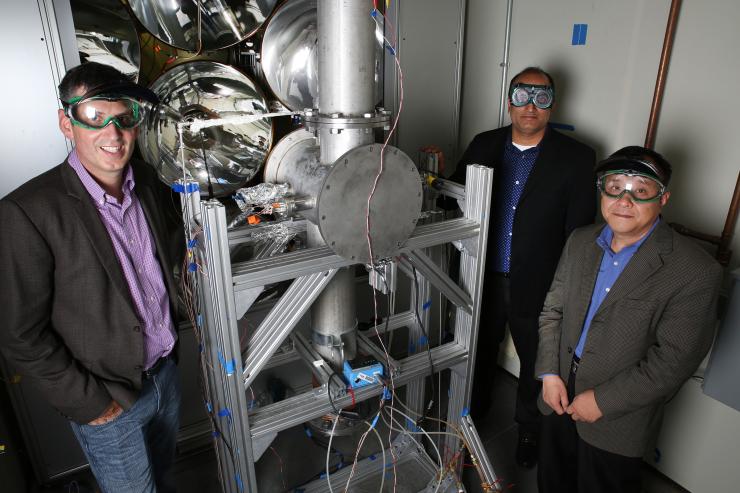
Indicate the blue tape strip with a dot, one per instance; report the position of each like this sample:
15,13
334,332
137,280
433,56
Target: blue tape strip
228,365
192,187
199,320
374,13
239,483
192,243
178,188
390,49
579,34
387,394
427,304
375,421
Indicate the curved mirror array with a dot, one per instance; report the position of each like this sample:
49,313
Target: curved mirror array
222,157
290,55
216,23
106,34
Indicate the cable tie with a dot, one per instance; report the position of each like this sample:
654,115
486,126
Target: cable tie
308,431
216,434
412,347
192,243
322,475
340,465
239,483
192,267
390,49
200,348
423,340
465,412
199,320
427,304
372,457
209,407
192,187
375,421
224,413
178,188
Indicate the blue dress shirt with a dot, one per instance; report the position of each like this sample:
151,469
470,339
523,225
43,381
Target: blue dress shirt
612,265
514,171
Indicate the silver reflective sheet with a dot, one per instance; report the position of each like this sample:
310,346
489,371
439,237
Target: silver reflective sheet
222,22
229,155
106,34
290,55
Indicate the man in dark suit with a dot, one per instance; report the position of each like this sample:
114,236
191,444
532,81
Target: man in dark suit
629,317
88,294
543,190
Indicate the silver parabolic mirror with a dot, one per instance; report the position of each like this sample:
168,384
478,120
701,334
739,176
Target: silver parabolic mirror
106,34
224,156
290,55
222,22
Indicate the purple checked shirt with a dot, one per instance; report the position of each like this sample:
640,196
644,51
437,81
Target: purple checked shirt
134,246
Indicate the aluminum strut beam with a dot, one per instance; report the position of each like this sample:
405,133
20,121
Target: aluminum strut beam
478,455
439,279
279,323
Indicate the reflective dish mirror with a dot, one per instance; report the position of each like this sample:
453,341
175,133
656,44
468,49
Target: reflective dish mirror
290,55
106,34
216,23
223,157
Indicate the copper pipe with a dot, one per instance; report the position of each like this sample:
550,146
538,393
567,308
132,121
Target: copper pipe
724,252
665,58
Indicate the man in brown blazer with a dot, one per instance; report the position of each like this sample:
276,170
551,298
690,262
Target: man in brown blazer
88,294
628,318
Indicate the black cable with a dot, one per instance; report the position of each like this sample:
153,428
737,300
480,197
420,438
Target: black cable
205,162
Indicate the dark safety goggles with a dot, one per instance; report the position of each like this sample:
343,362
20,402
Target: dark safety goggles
523,94
641,188
97,112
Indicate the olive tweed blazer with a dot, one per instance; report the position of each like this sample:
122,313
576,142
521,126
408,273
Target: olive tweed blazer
648,336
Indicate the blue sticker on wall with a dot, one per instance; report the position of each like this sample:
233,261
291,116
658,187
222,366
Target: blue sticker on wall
579,34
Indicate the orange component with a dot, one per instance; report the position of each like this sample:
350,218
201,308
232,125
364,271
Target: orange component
253,219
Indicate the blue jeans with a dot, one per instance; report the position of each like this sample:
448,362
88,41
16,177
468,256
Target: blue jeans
135,452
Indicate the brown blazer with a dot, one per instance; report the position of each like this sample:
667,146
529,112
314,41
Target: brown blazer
69,323
647,338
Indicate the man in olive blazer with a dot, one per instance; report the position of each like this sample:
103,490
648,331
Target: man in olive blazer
628,318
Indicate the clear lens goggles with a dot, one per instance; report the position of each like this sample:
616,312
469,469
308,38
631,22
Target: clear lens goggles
641,188
97,112
523,94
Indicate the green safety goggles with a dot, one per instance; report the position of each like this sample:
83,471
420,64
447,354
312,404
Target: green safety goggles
97,112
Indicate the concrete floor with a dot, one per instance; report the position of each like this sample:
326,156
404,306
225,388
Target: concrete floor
295,459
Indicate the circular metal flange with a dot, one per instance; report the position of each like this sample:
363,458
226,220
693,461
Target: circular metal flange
313,120
394,209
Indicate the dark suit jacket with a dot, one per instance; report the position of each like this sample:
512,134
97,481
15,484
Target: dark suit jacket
69,323
648,336
559,196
